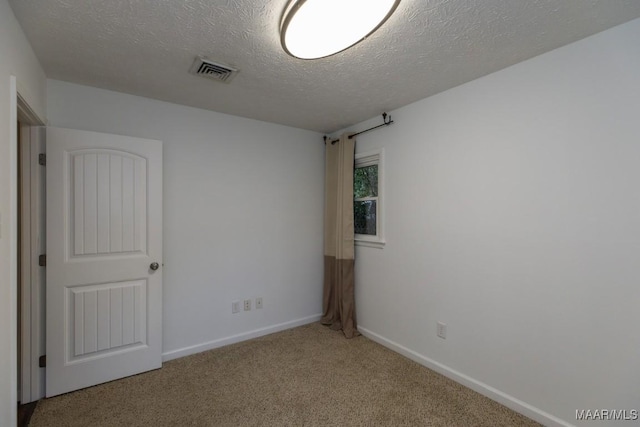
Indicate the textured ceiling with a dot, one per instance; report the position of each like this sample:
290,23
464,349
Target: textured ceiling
145,47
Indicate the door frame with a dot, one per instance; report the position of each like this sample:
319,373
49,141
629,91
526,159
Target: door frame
30,186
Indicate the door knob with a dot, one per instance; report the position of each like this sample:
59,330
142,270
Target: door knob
154,266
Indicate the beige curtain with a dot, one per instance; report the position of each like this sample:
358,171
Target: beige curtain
339,299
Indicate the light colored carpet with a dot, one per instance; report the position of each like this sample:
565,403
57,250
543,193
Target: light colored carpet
307,376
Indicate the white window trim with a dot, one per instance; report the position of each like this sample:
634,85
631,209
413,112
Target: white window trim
368,158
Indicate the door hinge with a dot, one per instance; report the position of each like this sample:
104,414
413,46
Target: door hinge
42,159
42,361
42,260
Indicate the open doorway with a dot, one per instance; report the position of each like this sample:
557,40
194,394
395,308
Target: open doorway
30,243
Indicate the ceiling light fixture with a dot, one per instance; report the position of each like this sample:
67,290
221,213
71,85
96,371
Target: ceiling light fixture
312,29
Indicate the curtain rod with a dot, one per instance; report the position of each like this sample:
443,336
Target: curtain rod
385,123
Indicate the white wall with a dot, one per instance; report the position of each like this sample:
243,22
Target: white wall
513,215
16,59
242,213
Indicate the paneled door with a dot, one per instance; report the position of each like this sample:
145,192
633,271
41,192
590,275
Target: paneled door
104,258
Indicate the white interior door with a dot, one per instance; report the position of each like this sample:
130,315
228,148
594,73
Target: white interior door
104,232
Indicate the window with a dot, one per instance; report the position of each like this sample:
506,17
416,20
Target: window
367,198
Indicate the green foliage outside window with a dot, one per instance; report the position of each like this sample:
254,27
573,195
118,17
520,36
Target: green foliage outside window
365,182
365,194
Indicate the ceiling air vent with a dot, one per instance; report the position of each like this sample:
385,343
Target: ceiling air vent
211,70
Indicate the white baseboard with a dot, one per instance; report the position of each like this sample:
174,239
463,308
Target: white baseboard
482,388
198,348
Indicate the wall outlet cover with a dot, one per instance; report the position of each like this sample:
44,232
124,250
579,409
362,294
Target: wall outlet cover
235,307
442,330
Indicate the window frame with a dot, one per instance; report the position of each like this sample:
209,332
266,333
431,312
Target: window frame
370,158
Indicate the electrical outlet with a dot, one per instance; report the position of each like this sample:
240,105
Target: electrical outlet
235,307
442,330
258,303
247,305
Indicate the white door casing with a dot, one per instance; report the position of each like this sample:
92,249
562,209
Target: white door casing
104,230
